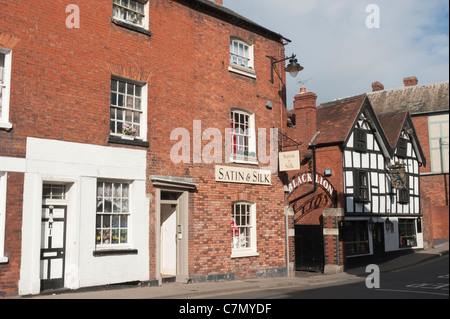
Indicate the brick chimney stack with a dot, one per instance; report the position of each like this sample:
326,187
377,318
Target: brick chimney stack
411,81
377,86
305,111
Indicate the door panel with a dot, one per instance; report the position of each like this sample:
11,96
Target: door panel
309,253
52,246
168,240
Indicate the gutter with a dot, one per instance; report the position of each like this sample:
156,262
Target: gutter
232,17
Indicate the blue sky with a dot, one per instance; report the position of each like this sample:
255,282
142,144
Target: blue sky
342,57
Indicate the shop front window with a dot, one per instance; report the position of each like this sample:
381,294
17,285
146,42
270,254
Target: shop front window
407,233
356,238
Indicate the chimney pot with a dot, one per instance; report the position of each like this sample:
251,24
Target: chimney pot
302,90
377,86
410,81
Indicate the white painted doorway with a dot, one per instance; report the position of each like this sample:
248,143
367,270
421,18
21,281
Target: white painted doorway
53,236
168,240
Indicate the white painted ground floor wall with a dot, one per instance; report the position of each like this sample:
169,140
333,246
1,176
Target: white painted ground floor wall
80,166
391,237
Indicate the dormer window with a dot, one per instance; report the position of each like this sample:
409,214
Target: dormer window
360,140
402,147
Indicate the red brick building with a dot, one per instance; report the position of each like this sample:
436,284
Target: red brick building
130,144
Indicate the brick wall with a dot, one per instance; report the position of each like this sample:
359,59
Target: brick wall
434,190
10,272
61,90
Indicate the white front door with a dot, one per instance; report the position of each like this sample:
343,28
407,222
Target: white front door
168,240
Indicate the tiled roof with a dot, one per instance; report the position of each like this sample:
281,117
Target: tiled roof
229,15
335,119
416,99
392,124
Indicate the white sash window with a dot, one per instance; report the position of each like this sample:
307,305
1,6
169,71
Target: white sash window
5,79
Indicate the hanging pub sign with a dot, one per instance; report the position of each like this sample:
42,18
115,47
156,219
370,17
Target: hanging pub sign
397,174
289,161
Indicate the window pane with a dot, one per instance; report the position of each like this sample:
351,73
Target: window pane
128,116
111,228
122,87
137,104
240,226
130,89
114,85
113,99
130,101
115,221
140,8
138,91
133,5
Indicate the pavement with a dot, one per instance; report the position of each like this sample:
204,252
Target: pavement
300,280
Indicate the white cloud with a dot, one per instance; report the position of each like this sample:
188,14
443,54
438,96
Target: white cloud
342,57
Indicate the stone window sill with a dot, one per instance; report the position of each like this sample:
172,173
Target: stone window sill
131,27
114,252
135,142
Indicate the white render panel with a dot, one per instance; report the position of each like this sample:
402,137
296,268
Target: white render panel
356,160
349,204
365,160
373,161
349,179
375,206
374,178
416,186
52,157
382,183
348,158
380,161
80,166
350,140
370,142
382,204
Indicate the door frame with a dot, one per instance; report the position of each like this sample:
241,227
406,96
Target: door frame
378,242
51,253
163,237
182,254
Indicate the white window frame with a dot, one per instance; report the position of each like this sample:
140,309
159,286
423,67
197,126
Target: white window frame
143,112
5,86
238,232
439,144
125,5
3,176
250,133
113,246
247,70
